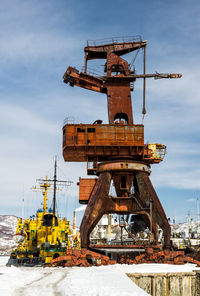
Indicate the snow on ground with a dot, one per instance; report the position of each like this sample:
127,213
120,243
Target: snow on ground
99,281
155,268
95,281
85,281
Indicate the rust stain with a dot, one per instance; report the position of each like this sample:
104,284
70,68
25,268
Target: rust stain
117,150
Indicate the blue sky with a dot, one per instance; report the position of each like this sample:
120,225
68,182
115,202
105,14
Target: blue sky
39,39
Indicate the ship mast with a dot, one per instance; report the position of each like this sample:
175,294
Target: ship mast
55,182
54,186
44,186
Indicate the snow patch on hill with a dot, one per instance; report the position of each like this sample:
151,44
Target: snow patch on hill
8,226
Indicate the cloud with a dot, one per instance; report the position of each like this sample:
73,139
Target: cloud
181,91
35,45
176,175
19,174
32,31
19,118
191,200
82,208
38,41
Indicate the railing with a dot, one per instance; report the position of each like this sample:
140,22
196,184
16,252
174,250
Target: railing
93,72
161,151
132,85
114,40
68,120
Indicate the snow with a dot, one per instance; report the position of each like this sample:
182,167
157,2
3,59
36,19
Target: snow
101,281
9,221
8,225
85,281
155,268
82,208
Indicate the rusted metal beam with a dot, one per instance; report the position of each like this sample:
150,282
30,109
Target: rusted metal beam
147,192
119,48
95,208
119,146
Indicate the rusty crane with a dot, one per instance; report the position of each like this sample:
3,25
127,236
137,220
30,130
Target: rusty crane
116,150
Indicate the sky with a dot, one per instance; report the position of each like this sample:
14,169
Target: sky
40,39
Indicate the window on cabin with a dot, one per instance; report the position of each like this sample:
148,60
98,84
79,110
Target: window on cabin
80,130
91,130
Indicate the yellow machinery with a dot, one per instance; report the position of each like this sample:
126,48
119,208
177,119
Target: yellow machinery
158,152
42,237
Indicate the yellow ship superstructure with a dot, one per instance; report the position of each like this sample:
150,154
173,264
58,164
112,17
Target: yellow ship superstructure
42,237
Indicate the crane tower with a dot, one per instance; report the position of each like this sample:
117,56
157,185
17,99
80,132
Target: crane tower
115,152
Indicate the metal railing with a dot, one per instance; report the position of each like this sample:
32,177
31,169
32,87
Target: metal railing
93,72
114,40
68,120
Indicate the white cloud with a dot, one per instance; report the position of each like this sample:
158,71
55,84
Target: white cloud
180,174
35,45
20,118
37,37
31,31
191,200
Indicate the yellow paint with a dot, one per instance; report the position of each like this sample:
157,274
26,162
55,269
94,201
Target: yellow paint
158,151
44,234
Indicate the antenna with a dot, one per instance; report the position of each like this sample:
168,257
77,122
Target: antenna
23,205
197,210
22,209
55,182
44,185
54,186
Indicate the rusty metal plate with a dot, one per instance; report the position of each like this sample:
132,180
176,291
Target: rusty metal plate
123,166
86,186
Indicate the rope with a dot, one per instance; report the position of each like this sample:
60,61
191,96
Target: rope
134,58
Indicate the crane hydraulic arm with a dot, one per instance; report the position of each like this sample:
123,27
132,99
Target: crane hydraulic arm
98,83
